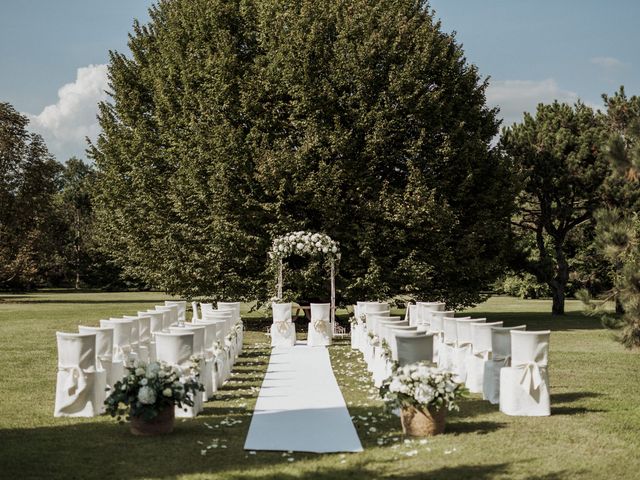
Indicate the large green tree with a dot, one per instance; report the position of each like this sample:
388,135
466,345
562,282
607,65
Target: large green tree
29,178
561,167
618,222
235,121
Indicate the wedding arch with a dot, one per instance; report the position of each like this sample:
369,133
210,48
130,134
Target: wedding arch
308,244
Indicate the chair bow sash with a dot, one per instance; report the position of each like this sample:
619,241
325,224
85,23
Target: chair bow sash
282,327
321,326
506,360
531,378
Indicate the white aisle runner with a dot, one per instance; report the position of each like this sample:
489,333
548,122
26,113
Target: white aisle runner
300,406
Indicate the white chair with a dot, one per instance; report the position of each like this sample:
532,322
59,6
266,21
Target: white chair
171,318
79,391
182,308
176,349
412,314
206,375
194,315
135,333
524,386
167,317
500,357
121,339
381,366
237,323
106,372
410,331
436,327
371,308
412,348
212,357
462,349
227,316
283,331
220,352
144,335
425,310
480,354
320,330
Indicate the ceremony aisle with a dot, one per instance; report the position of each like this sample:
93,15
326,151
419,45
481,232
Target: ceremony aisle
300,406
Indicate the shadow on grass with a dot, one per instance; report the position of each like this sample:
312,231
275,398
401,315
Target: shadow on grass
476,472
542,321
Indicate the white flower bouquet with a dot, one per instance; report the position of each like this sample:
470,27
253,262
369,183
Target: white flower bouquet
304,243
422,386
148,389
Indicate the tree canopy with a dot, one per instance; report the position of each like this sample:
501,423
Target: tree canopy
561,166
236,121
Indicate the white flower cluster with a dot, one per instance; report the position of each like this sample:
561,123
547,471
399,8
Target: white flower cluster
304,243
423,385
149,387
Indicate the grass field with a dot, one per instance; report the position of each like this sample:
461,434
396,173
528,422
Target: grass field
593,432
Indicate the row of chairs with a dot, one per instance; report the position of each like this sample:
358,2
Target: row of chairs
283,330
478,352
92,361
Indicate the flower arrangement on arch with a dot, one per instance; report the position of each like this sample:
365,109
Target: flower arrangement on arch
304,243
423,386
150,388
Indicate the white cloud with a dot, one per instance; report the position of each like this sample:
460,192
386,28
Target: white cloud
608,63
514,97
65,124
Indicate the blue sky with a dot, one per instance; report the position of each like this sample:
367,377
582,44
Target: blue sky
53,55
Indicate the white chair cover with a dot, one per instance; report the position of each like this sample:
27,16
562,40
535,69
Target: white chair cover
176,349
121,339
228,317
135,333
500,357
79,392
481,353
237,321
412,314
283,331
104,357
182,308
320,330
437,328
222,365
425,309
462,349
199,337
167,317
524,386
410,331
414,348
172,317
194,312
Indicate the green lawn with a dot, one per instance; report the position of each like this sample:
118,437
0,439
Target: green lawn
593,431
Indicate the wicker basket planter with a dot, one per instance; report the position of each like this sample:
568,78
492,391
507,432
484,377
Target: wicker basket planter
418,422
160,425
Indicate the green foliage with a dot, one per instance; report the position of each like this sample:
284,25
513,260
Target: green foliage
524,285
235,122
28,225
147,389
561,167
618,225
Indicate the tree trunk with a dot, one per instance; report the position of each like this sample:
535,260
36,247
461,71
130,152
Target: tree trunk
558,300
559,284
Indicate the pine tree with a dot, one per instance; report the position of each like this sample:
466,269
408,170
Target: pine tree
561,171
618,225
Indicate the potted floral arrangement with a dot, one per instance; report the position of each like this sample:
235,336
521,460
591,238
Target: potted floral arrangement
423,394
148,394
